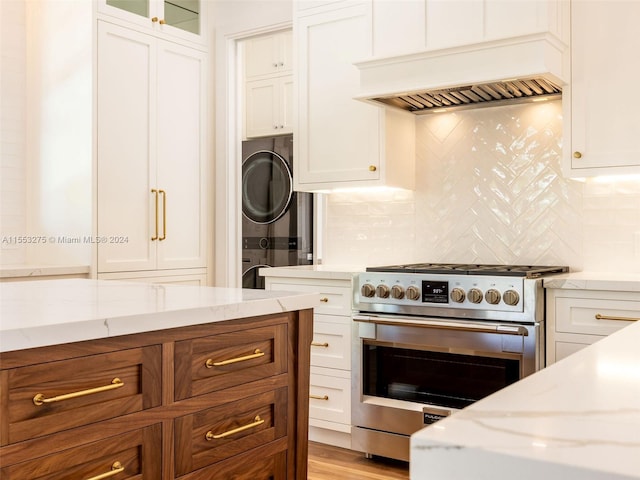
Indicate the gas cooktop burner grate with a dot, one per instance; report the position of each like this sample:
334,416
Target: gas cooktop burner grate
528,271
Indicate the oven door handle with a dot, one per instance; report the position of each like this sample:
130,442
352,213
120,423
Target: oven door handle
444,324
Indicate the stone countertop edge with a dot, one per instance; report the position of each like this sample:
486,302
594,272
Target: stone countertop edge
51,312
604,281
322,272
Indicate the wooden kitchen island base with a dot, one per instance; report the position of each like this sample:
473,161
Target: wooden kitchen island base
227,399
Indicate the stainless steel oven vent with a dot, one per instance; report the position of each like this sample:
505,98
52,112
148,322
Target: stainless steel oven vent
475,96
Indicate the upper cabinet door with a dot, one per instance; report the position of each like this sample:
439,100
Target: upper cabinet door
408,26
174,18
603,127
268,55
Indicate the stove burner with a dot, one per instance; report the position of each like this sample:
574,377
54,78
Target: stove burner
527,271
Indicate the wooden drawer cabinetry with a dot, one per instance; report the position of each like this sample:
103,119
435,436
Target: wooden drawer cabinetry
577,318
330,388
213,401
130,454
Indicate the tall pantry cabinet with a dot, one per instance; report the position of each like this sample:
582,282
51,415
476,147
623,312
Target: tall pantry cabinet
151,157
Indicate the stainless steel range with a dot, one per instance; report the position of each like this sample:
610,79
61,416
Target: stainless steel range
434,338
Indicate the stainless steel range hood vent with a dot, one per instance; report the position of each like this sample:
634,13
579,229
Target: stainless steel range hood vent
514,70
474,96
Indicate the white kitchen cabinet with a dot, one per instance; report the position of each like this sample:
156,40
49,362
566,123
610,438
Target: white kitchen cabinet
151,128
270,54
342,142
578,318
269,106
330,383
178,19
268,81
408,26
601,133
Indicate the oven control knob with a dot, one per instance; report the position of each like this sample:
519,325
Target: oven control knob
457,295
511,297
475,295
368,290
397,292
382,291
413,293
492,296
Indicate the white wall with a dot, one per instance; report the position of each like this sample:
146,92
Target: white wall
13,98
489,189
46,130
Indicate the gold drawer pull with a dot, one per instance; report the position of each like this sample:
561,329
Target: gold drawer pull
40,399
256,421
324,300
319,397
116,468
256,353
611,317
318,344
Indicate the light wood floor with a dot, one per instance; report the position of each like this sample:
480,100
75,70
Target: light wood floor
332,463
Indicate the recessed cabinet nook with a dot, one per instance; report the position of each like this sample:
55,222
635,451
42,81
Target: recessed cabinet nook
151,150
268,73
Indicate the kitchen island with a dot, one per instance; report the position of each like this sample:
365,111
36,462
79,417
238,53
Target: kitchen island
105,378
576,419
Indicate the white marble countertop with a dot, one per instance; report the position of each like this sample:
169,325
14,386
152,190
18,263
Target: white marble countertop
576,419
331,272
13,271
620,282
51,312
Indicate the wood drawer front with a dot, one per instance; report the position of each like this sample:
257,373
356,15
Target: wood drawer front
193,377
330,398
257,420
264,463
138,453
138,370
334,300
331,345
578,315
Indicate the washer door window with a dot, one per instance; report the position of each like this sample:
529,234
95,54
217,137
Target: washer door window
267,187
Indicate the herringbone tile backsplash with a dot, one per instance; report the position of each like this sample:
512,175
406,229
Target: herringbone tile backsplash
489,189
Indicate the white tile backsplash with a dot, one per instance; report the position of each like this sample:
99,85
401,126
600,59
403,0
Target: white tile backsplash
489,189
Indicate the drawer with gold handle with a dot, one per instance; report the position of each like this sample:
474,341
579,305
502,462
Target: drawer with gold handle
131,454
214,434
207,364
55,396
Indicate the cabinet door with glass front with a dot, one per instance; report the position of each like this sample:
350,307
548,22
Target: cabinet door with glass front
176,18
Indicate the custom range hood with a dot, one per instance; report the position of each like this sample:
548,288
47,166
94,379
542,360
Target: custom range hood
515,70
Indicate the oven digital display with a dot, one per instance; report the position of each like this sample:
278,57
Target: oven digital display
435,291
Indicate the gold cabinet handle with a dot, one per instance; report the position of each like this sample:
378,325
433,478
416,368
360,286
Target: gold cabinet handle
40,399
116,468
155,235
163,21
154,19
164,214
324,300
318,344
319,397
577,155
256,353
612,317
256,421
372,168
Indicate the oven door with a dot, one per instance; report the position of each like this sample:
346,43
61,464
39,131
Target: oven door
409,372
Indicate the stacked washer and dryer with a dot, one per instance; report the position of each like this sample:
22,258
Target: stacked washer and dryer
277,223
